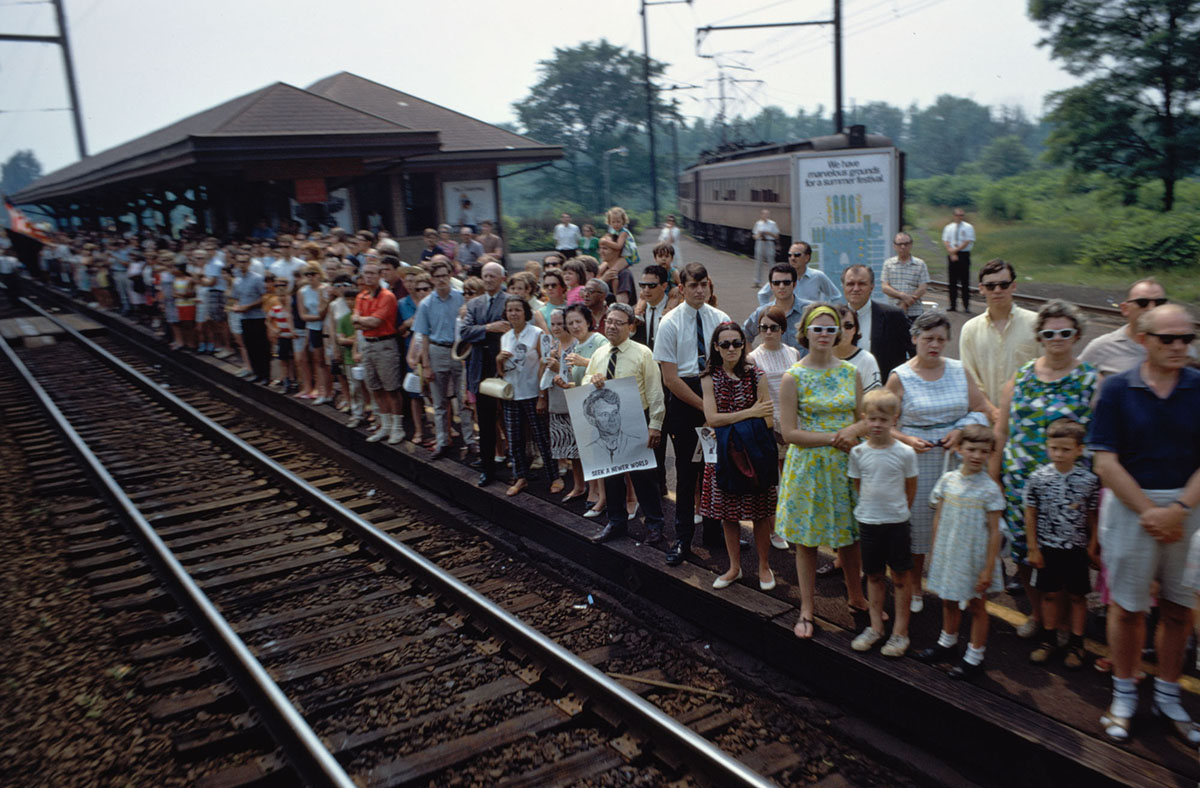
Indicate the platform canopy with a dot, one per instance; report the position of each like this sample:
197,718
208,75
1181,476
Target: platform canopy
342,127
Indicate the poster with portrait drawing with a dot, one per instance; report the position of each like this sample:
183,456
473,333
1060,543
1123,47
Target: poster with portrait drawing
610,428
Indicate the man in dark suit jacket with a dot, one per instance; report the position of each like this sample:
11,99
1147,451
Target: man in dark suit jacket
483,327
884,324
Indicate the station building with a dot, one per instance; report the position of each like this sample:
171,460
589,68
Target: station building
344,151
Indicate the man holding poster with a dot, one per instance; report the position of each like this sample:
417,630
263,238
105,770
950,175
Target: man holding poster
624,358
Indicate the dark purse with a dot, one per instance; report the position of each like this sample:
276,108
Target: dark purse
746,457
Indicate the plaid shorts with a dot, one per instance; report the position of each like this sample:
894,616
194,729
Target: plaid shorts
216,305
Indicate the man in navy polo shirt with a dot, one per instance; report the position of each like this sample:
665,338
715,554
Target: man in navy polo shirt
1146,439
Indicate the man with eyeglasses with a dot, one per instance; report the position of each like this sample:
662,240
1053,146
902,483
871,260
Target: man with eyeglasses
995,344
1119,350
1145,435
682,350
905,278
811,284
882,328
651,304
622,357
782,279
959,239
433,327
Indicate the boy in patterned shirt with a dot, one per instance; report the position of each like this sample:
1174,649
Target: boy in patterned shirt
1061,505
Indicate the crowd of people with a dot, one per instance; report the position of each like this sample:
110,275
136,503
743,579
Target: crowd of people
839,420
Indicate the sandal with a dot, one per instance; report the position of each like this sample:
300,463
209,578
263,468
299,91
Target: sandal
825,570
557,486
1186,730
1115,728
802,626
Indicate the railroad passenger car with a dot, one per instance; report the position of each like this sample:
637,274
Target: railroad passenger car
721,196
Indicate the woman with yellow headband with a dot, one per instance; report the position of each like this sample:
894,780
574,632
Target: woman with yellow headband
819,417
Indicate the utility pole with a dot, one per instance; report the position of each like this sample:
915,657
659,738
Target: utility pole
650,100
62,40
836,21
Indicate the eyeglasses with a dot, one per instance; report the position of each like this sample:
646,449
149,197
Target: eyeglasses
849,327
901,243
798,254
1171,339
990,286
823,329
731,343
1145,302
781,282
422,289
767,328
616,323
649,284
1060,333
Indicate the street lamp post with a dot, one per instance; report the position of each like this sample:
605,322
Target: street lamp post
650,101
621,151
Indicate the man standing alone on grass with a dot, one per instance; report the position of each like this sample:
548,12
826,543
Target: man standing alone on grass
959,238
566,237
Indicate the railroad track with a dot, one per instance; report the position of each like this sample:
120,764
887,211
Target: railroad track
318,647
1109,312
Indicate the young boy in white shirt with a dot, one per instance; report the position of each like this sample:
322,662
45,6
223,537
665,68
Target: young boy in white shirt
884,472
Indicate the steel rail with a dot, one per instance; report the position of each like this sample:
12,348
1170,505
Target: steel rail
704,760
307,754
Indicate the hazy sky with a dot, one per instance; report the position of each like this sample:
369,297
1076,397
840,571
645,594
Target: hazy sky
142,64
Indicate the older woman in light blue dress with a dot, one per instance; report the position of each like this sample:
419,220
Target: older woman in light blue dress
938,398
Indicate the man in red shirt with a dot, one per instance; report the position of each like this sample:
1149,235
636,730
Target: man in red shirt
375,315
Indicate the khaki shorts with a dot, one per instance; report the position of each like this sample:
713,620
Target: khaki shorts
381,362
1133,559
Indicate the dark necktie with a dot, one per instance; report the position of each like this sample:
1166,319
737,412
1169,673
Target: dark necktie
650,329
612,364
700,354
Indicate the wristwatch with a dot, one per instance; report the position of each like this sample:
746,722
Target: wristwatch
1183,506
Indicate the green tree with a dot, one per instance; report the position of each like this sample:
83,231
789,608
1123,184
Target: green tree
880,118
589,99
947,134
1005,156
21,169
1136,117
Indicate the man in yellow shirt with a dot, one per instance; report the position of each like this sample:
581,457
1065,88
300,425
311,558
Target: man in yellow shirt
995,344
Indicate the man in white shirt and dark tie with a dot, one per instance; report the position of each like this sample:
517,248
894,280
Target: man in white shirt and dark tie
681,348
959,238
652,303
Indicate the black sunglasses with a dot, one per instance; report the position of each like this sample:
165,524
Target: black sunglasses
1145,302
797,254
1171,339
731,343
989,286
649,284
781,282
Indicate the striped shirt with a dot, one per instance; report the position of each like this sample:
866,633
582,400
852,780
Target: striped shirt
906,277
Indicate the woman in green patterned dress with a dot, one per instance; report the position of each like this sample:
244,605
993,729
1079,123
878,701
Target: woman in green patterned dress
819,414
1054,385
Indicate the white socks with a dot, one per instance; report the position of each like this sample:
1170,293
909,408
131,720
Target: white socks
1125,698
974,656
1166,698
946,640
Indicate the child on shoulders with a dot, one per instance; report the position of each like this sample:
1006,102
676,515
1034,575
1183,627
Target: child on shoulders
966,550
884,472
1062,499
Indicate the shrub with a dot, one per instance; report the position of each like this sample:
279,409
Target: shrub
948,190
1002,201
1146,240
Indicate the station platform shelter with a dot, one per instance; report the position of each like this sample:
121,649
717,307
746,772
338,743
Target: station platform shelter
344,151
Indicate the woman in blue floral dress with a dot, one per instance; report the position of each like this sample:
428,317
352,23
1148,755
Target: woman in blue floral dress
1054,385
819,418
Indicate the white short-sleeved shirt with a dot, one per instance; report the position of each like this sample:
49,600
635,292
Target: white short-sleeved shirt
566,236
676,339
527,349
767,226
213,269
882,474
957,232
